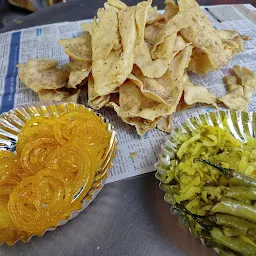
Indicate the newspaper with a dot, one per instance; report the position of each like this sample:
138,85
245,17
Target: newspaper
136,155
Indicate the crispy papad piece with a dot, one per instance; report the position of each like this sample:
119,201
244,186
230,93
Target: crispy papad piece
79,71
152,30
95,101
165,124
169,87
240,87
79,48
246,78
233,101
181,20
119,5
134,103
171,9
210,52
231,39
110,73
42,74
141,125
147,100
154,61
105,37
198,94
148,87
141,19
156,68
67,95
87,27
140,14
153,16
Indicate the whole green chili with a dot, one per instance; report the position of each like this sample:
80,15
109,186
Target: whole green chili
233,243
238,224
241,192
236,178
226,253
232,222
236,208
236,244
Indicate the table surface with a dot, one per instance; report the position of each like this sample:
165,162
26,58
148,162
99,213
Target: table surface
128,217
74,10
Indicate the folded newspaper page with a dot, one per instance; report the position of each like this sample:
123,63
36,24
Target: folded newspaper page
136,155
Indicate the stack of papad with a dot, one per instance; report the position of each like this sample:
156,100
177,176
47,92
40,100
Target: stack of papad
135,60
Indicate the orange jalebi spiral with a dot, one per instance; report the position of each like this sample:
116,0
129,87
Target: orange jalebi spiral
75,167
86,132
11,172
38,202
35,128
95,143
35,154
8,232
56,164
65,124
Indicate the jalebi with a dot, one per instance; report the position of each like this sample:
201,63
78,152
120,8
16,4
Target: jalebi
8,232
35,128
84,132
36,153
71,162
55,166
38,202
10,172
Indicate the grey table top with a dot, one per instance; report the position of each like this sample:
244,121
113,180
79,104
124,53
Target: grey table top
129,217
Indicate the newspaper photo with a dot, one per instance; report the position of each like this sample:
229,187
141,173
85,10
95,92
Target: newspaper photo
136,155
